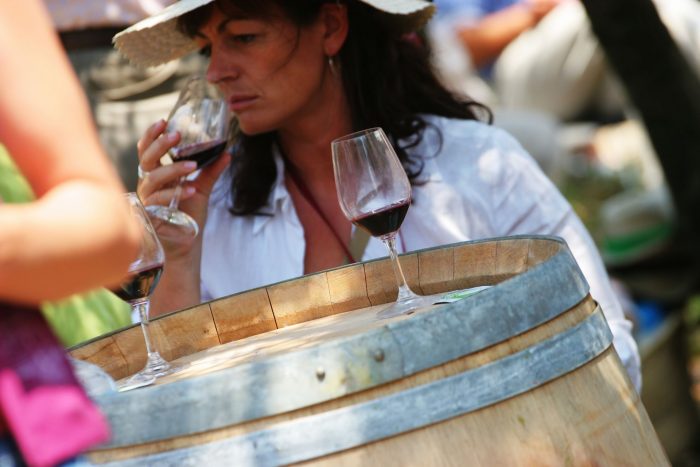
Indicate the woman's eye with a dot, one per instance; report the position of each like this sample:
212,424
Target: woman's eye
243,38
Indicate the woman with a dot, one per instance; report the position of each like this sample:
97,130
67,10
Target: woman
298,75
76,236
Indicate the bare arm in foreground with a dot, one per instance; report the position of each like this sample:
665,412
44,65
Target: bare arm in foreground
78,234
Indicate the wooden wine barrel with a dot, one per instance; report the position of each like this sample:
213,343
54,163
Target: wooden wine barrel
522,373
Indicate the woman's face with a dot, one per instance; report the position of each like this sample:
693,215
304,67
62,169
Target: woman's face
269,70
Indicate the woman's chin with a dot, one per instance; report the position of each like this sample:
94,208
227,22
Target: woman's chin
250,128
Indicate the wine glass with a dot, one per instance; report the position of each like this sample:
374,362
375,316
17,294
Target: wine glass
374,193
136,289
201,116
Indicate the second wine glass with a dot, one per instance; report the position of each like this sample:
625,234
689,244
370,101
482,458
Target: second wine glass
136,289
202,119
375,194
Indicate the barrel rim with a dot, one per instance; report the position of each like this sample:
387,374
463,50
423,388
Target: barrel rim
552,238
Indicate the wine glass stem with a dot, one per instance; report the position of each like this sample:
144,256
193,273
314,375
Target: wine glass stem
405,292
175,200
142,308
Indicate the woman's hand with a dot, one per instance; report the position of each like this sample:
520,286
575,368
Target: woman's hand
159,184
179,285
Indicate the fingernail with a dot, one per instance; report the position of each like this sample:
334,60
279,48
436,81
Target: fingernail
190,165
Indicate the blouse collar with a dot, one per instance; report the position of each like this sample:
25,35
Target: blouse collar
279,199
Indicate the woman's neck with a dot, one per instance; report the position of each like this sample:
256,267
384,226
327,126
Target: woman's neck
306,143
310,158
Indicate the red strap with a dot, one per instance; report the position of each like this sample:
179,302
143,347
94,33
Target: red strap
304,190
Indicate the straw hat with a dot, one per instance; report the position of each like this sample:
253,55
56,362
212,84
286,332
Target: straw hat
156,40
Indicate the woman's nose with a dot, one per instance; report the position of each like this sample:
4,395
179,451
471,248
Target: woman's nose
219,68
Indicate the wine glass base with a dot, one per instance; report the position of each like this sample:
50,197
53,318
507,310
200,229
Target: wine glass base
155,368
406,307
138,380
173,217
158,367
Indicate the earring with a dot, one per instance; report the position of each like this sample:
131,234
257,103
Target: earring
332,65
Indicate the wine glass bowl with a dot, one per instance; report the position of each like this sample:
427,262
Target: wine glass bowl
372,186
143,276
201,117
374,193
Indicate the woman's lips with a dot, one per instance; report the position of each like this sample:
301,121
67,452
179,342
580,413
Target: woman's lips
238,103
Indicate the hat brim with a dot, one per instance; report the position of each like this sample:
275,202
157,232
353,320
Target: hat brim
157,40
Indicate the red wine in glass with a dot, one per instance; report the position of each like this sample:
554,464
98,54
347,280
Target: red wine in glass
201,117
374,193
136,289
383,221
140,285
202,153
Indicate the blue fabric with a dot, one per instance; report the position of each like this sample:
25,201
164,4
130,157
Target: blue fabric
10,456
471,9
468,11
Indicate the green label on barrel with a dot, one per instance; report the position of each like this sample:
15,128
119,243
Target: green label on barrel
457,295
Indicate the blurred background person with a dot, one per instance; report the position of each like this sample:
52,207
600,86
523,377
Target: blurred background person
542,54
541,67
466,38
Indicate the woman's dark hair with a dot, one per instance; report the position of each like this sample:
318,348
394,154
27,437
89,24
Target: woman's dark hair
388,80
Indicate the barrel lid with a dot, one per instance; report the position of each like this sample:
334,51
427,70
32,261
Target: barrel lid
325,364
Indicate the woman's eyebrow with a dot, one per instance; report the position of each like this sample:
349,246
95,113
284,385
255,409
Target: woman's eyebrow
221,28
234,17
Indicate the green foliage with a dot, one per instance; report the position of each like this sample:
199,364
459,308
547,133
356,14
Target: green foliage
13,186
587,190
82,317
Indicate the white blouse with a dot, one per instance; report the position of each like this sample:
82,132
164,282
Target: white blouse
480,184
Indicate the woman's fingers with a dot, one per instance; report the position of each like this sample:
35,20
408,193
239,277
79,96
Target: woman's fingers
151,134
163,178
152,150
150,158
163,197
